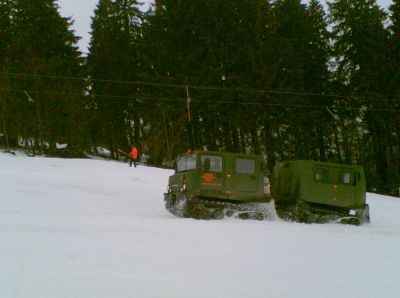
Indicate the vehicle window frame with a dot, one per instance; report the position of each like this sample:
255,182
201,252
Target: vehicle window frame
243,169
187,166
325,176
351,174
212,169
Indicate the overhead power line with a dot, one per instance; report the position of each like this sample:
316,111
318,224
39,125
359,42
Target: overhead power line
209,88
183,99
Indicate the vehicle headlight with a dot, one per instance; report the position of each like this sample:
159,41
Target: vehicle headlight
184,187
267,186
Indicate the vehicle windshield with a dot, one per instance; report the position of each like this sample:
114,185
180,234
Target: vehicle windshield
186,163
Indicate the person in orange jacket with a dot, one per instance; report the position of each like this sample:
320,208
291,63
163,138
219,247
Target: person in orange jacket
133,156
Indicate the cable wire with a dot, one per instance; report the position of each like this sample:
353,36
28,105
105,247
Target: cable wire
209,88
195,100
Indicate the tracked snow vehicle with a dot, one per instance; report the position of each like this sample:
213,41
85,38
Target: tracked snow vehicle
319,192
214,185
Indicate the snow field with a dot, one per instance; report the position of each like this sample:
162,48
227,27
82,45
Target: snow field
95,228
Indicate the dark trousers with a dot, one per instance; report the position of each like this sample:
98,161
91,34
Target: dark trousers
134,161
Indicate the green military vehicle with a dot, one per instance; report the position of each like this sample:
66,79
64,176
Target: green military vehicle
210,185
310,191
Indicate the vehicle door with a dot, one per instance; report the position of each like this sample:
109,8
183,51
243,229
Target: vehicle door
245,175
212,176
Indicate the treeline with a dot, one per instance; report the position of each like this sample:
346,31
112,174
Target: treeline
280,78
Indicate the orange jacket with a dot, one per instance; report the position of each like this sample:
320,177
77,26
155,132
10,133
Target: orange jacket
134,153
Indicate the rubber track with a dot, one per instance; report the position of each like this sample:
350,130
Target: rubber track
199,208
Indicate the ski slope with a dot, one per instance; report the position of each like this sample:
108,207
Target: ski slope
82,228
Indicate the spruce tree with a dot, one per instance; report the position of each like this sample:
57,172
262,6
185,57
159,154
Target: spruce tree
359,48
359,36
111,63
5,29
42,53
292,46
317,78
393,94
214,44
394,50
170,47
5,40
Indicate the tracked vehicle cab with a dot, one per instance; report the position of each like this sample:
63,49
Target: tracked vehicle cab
214,184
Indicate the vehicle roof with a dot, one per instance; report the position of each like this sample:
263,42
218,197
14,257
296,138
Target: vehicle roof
318,163
219,153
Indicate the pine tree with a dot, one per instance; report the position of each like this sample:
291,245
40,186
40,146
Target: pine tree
359,40
287,52
318,48
288,44
297,54
317,78
170,58
210,43
5,40
42,52
394,50
393,92
359,47
111,63
5,29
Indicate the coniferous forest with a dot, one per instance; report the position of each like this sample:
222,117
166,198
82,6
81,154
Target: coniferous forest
280,78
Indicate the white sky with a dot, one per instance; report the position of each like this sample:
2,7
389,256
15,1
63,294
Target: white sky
81,12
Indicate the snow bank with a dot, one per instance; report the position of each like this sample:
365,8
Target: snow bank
93,228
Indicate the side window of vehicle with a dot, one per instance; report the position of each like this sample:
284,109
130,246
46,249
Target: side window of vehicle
191,162
180,165
321,175
347,177
211,163
245,166
186,163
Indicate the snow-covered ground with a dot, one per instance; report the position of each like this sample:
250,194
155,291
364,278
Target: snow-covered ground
93,228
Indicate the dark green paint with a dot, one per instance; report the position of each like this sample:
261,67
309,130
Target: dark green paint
322,183
243,185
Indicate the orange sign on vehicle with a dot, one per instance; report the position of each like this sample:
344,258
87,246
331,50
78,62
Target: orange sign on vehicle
209,179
